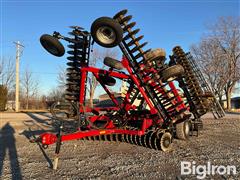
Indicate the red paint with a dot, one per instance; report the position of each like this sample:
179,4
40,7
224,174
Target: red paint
110,128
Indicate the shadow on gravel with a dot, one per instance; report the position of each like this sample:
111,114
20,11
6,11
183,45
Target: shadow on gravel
45,114
238,113
31,134
35,126
7,144
39,120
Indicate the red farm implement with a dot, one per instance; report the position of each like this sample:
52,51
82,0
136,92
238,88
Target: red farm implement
160,114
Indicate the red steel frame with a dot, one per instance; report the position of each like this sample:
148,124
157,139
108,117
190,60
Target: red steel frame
49,138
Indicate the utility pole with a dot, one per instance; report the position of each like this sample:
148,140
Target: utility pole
18,54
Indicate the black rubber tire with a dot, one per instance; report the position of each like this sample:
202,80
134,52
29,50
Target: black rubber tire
112,29
52,45
107,80
171,72
113,63
183,130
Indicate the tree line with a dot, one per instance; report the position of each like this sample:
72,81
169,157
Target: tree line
218,54
29,87
30,97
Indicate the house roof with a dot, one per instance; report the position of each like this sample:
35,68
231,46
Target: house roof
106,95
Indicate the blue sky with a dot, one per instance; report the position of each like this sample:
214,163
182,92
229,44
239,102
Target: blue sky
164,24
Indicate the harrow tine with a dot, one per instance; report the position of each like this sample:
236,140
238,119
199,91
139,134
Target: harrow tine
122,137
120,13
138,140
115,137
136,48
126,139
92,138
87,138
97,138
106,137
140,55
135,139
132,42
101,137
131,34
130,138
111,137
126,19
129,26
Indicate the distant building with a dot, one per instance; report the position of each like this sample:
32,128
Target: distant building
106,97
106,101
95,101
235,103
10,105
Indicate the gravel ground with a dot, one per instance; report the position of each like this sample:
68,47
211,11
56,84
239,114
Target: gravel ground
218,144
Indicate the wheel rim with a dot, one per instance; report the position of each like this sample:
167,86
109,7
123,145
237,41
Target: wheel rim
106,35
165,141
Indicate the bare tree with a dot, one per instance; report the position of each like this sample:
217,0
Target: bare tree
29,86
224,36
61,78
7,72
96,59
227,33
211,60
56,94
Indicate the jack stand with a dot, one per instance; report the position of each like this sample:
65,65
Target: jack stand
193,129
58,146
196,125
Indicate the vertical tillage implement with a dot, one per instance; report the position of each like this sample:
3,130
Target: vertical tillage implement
151,112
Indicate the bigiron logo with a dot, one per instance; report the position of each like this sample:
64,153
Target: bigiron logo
201,171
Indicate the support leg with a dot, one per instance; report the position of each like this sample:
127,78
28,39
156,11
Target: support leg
58,147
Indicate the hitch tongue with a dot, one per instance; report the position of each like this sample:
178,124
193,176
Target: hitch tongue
45,139
35,140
